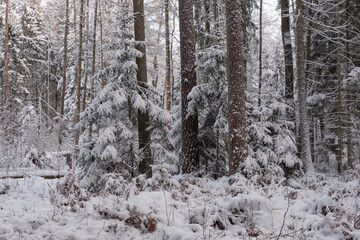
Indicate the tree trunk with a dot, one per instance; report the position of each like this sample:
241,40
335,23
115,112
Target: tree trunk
339,83
207,5
215,13
101,44
86,57
190,154
286,38
78,79
94,39
260,51
302,92
63,90
238,149
350,146
289,68
143,117
168,64
6,71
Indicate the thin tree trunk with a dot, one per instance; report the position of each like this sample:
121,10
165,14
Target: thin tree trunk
307,68
207,24
78,81
260,51
168,63
143,117
156,64
63,90
101,45
6,71
215,13
302,92
350,146
189,133
94,40
172,59
339,83
86,57
238,149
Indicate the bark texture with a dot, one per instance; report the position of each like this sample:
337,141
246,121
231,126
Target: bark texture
286,38
143,117
189,154
63,89
302,91
238,149
6,71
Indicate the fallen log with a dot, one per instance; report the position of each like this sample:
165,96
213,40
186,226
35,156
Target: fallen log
43,174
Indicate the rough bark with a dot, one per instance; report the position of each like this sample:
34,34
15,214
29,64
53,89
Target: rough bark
143,117
302,92
286,38
238,149
6,71
189,154
289,67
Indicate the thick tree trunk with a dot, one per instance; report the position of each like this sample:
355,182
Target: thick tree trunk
302,92
238,149
289,67
190,154
6,71
286,38
143,117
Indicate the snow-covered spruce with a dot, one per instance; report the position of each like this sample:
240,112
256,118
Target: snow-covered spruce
112,115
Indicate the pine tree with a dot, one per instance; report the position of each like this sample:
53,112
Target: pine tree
238,149
189,127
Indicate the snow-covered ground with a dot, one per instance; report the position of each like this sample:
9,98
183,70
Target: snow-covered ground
181,208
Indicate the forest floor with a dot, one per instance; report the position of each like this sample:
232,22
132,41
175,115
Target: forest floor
182,208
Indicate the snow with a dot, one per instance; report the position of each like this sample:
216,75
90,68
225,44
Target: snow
182,207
